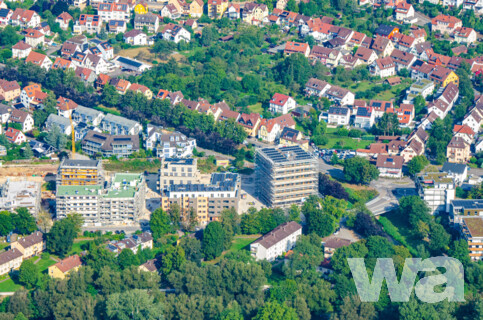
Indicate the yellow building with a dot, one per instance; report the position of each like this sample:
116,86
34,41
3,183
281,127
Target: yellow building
458,151
216,8
62,268
79,173
31,245
222,162
199,205
141,8
443,76
196,8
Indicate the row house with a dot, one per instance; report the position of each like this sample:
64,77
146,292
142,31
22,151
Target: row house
114,11
445,101
89,23
439,75
402,60
473,119
445,24
465,132
357,39
419,34
250,123
216,8
367,56
24,18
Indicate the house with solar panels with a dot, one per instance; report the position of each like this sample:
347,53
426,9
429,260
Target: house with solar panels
131,64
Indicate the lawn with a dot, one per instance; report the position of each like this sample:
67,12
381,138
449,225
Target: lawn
337,142
398,228
256,108
239,243
9,286
44,264
77,247
133,165
3,245
384,95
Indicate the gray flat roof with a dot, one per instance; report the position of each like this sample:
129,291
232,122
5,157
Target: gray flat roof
79,163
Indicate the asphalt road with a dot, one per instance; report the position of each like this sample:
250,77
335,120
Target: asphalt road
390,190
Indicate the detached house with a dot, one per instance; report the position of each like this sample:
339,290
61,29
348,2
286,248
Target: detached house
270,129
39,59
23,118
89,23
414,148
24,18
63,20
465,132
34,37
383,67
63,64
32,95
250,123
281,103
15,136
297,47
473,120
139,88
464,35
367,56
340,95
327,56
5,15
404,12
339,116
365,118
445,24
148,20
62,268
383,46
390,166
136,38
21,50
316,87
9,90
175,33
65,107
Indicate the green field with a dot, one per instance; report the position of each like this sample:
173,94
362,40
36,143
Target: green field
239,243
9,286
133,165
3,245
337,142
398,228
77,247
256,108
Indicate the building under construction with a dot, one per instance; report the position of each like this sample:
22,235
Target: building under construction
80,173
285,175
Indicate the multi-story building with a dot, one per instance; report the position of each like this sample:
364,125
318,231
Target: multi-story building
460,209
148,20
472,230
445,24
339,116
458,150
178,171
87,115
437,189
10,260
421,87
276,242
20,194
216,8
207,200
88,23
31,245
120,126
122,201
80,173
168,144
107,145
281,103
285,175
9,90
114,11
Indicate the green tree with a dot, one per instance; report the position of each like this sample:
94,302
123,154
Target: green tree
439,238
56,138
459,249
353,309
359,170
321,223
160,223
28,153
173,259
6,223
417,164
213,239
419,104
133,305
24,222
276,311
28,274
192,249
127,258
61,237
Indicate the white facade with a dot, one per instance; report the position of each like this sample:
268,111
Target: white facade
284,108
265,249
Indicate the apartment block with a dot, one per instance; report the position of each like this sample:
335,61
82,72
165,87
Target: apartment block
460,209
10,260
122,201
207,200
285,175
178,171
31,245
80,173
119,125
437,189
472,231
20,194
276,242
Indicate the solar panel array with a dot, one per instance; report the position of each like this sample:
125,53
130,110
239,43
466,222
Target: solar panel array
284,154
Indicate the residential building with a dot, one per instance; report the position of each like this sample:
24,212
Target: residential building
63,20
20,194
297,47
413,148
62,268
207,200
10,260
437,189
277,242
270,129
383,67
178,171
23,118
148,20
340,96
58,121
24,18
87,115
445,24
281,103
169,144
196,8
386,31
175,33
120,126
327,56
460,209
4,113
88,23
390,166
339,116
292,137
316,87
39,59
134,243
122,201
472,231
114,11
458,150
332,244
464,132
457,171
5,15
250,123
367,56
139,88
473,120
421,87
216,8
465,35
31,245
116,26
15,136
107,145
404,12
80,173
285,175
383,46
9,90
136,38
21,50
34,37
65,107
402,59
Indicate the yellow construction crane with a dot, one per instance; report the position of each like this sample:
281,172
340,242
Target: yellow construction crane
73,131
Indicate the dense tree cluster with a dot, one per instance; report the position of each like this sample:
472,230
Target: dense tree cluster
359,170
330,187
21,221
